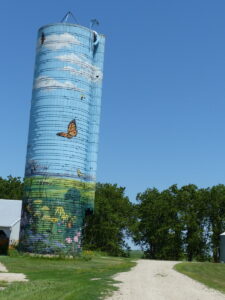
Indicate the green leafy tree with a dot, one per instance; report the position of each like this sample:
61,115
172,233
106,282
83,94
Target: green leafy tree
192,210
107,229
159,231
216,216
11,188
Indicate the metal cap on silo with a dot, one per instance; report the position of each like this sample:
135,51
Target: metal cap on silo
222,247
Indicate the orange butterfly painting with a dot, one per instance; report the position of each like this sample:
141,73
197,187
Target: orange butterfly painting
71,132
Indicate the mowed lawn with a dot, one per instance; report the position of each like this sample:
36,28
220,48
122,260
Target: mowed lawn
59,279
210,274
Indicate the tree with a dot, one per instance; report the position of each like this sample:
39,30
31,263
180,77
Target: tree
11,188
108,227
159,230
193,216
216,215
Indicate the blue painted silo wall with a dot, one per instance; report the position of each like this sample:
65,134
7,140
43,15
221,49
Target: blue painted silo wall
63,137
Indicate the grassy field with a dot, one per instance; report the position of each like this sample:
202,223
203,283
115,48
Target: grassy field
136,254
210,274
64,279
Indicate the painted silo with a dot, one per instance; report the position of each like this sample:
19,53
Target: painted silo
222,248
63,138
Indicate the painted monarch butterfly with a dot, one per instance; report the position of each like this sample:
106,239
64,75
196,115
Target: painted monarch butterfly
71,132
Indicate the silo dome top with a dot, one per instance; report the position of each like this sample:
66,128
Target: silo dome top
75,23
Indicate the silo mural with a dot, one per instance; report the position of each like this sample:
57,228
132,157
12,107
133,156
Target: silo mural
63,138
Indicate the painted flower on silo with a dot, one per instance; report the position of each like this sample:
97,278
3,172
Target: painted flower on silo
54,220
37,214
61,213
45,208
59,210
37,201
64,217
68,240
46,218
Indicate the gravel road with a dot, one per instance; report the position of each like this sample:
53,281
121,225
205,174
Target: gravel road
156,280
10,277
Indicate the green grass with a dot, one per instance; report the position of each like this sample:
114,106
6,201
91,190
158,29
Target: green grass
3,283
64,279
136,254
210,274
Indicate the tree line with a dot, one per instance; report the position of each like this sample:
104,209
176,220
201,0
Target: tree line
176,223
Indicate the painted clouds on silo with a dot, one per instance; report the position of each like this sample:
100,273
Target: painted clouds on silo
59,41
86,70
45,82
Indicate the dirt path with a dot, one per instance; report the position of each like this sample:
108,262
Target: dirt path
156,280
3,268
10,277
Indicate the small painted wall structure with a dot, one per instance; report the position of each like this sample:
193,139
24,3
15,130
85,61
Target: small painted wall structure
10,216
222,247
62,145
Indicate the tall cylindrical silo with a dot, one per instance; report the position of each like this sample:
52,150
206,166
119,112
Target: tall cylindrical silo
63,138
222,248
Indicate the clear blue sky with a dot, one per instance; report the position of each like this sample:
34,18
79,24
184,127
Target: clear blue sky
163,108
